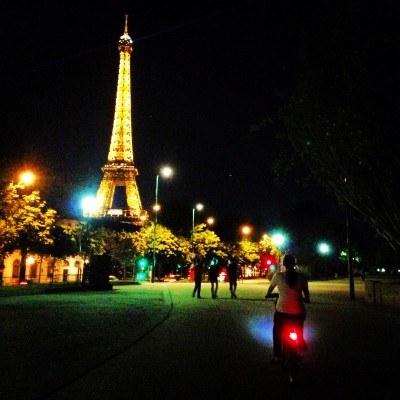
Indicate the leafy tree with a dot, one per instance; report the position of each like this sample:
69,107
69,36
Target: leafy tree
96,241
121,247
249,252
86,238
266,246
64,243
26,222
168,247
71,237
345,110
207,244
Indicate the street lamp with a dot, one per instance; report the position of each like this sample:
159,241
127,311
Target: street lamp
246,230
197,207
324,249
166,172
26,178
89,205
278,239
210,221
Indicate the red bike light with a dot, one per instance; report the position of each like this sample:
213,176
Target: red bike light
293,335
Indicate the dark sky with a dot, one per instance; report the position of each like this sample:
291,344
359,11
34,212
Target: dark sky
203,73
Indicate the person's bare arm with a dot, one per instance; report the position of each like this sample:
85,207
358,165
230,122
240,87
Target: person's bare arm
306,293
270,289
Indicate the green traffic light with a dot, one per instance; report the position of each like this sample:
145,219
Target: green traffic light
142,262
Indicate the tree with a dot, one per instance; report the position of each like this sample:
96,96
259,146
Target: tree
249,252
207,244
169,248
122,249
26,223
344,112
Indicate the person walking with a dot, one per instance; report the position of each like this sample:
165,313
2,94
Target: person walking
290,304
232,270
213,273
197,277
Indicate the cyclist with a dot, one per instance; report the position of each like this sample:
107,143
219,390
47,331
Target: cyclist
290,304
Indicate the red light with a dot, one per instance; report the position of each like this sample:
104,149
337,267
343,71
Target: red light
267,261
293,335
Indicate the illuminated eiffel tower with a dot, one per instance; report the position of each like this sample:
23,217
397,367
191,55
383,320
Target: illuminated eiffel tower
120,170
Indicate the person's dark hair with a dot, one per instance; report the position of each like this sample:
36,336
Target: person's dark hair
289,261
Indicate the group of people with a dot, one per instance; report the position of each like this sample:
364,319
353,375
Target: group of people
293,292
213,274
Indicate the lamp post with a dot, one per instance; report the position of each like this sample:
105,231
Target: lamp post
349,256
89,205
210,221
25,179
278,239
324,249
197,207
246,230
349,249
165,172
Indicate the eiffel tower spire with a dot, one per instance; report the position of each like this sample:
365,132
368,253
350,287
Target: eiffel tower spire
120,169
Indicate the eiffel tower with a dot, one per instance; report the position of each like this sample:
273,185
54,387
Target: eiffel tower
120,170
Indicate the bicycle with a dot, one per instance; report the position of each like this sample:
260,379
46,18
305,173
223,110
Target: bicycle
290,346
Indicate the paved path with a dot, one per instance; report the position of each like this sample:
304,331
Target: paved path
153,341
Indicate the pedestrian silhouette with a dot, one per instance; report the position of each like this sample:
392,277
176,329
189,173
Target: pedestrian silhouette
232,270
197,277
213,273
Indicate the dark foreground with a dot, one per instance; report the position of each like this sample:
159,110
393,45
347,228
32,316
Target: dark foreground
153,341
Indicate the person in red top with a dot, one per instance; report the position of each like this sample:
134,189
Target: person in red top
197,277
290,304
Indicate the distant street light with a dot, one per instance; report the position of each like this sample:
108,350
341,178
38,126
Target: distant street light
166,172
26,178
324,249
210,221
246,230
89,205
279,239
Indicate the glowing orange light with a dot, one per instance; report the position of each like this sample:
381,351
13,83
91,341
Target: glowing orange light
27,178
246,230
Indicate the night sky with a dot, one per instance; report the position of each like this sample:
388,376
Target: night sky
202,74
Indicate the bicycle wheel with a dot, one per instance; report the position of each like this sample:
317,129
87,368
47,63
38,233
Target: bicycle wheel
289,360
292,368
